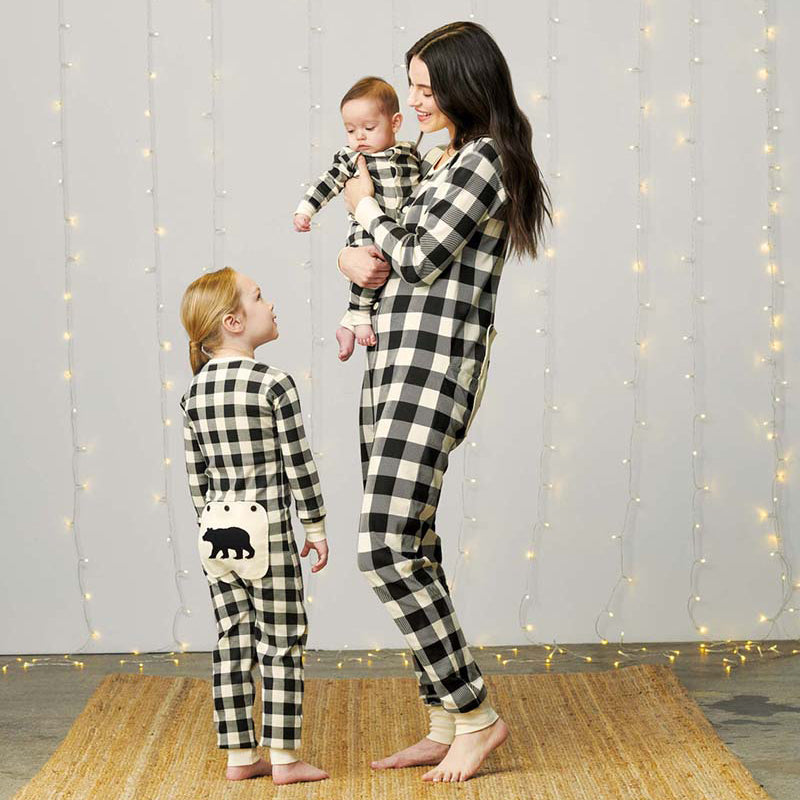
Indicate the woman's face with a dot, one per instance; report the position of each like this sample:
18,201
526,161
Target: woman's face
261,325
420,98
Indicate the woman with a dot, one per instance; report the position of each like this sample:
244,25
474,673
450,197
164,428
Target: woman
441,262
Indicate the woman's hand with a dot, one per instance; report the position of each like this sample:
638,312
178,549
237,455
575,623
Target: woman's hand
322,553
359,186
365,266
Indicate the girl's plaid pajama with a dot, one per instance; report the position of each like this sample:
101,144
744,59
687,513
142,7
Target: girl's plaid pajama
421,386
244,440
261,623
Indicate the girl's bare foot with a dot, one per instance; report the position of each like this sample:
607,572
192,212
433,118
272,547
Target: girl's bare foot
467,753
422,753
255,770
346,338
297,772
365,335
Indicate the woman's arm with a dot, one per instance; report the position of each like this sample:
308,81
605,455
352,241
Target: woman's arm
471,190
365,266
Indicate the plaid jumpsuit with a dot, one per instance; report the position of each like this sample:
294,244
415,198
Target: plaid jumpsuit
244,441
422,386
395,174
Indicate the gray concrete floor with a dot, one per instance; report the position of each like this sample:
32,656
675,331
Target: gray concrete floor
754,708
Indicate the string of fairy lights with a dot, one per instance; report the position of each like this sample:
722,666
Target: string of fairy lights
546,294
628,525
72,258
774,361
215,115
165,494
313,70
700,489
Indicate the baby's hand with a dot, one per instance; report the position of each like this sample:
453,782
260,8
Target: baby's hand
322,553
302,223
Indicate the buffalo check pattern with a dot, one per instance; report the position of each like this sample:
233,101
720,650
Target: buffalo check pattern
244,440
446,251
395,175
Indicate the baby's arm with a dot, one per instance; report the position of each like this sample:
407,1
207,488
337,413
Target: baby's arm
326,187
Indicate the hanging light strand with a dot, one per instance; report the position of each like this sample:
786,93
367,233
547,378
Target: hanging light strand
774,361
640,151
71,259
164,495
546,294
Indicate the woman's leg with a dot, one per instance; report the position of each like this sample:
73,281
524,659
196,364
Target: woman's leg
422,420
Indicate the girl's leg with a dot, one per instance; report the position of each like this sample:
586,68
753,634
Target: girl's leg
232,659
282,633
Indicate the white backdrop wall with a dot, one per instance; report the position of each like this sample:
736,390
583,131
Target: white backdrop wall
263,128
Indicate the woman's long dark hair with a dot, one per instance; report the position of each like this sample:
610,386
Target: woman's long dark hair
471,84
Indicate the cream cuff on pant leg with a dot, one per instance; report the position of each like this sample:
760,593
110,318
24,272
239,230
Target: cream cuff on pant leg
477,719
243,757
277,756
443,725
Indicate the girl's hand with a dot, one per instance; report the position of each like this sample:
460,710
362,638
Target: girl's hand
322,553
365,266
302,223
359,186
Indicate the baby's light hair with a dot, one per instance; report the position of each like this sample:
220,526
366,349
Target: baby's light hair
377,89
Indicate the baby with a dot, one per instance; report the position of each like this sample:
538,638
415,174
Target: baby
371,114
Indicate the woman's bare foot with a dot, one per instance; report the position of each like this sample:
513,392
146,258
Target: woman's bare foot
420,754
255,770
346,338
297,772
365,335
467,753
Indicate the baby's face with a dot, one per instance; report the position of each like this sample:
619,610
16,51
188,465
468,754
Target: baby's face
369,130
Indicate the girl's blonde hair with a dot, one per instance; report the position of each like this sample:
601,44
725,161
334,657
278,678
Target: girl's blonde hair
205,304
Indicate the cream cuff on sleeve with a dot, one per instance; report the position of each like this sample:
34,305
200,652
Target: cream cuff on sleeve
353,317
304,207
366,211
315,531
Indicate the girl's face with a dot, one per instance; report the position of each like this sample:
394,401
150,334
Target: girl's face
420,98
258,322
369,129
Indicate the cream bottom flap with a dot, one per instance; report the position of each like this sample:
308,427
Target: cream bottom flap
234,537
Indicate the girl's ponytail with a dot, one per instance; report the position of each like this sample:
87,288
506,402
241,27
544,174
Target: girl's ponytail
205,303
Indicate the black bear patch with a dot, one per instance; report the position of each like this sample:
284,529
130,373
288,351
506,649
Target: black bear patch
225,539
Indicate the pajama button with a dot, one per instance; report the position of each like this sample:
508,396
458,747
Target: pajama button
375,305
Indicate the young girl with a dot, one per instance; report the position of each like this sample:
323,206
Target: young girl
246,457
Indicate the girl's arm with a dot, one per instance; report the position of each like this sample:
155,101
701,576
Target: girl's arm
297,459
195,465
472,191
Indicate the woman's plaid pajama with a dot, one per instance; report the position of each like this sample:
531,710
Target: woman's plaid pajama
422,384
245,441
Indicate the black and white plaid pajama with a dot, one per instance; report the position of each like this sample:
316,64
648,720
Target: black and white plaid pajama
422,385
244,440
394,173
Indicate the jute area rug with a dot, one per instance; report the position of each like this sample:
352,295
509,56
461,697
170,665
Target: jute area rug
627,734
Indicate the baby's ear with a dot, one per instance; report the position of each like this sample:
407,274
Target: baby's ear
397,121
